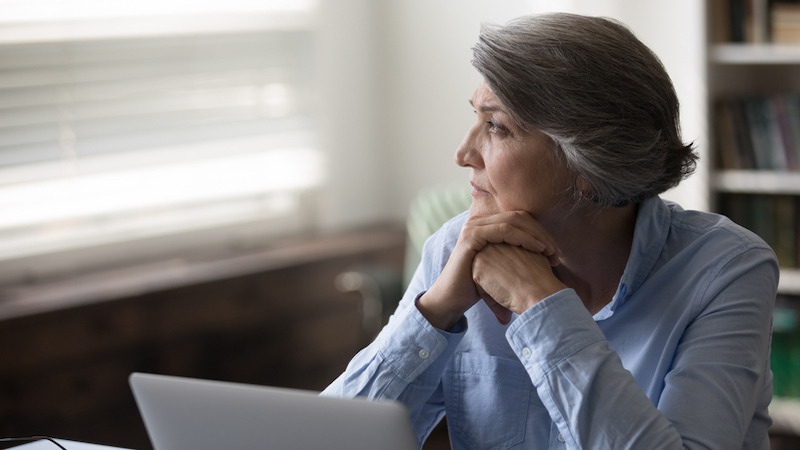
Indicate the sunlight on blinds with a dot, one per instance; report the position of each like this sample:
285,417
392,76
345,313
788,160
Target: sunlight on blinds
25,21
151,126
58,10
154,187
45,214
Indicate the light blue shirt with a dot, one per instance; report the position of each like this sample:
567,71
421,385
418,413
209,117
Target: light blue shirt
678,359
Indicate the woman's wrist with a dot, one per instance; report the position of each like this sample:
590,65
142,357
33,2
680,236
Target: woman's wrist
437,313
538,292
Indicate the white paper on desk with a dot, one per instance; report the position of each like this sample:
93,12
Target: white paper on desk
44,444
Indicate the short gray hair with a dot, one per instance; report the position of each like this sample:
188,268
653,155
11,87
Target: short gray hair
602,96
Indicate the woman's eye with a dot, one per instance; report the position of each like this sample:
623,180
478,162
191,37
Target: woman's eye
495,127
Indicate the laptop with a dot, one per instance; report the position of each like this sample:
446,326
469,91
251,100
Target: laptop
190,414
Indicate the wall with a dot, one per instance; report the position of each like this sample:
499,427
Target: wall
675,30
349,50
408,76
430,79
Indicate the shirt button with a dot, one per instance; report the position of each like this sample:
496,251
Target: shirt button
424,354
560,437
526,352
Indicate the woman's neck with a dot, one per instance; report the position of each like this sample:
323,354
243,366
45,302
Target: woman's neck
595,248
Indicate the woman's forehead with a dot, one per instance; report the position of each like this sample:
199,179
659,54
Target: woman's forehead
484,100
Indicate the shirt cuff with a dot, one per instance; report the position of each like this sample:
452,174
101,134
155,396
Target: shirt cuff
459,327
552,330
413,345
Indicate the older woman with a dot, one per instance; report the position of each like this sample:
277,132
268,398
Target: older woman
571,307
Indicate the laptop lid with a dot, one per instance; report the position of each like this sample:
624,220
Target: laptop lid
190,414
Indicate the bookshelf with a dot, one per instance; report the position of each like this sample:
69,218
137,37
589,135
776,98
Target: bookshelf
740,70
756,153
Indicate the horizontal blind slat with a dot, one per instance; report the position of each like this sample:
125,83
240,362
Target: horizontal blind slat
86,98
22,56
76,74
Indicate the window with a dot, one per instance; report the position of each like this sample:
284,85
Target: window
128,120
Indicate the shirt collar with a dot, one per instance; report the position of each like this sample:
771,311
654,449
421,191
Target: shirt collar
649,238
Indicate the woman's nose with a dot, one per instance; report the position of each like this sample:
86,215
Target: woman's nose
467,153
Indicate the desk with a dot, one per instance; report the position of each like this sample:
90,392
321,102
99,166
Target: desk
69,445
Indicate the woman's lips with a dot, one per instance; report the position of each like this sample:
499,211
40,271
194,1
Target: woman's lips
477,191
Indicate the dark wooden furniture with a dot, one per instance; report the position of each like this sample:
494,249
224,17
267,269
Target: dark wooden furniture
271,316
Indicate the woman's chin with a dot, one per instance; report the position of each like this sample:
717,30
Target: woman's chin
478,208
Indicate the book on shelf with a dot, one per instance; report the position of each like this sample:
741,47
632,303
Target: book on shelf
758,132
785,126
773,217
784,229
785,358
728,148
742,136
755,21
747,20
785,22
759,119
721,25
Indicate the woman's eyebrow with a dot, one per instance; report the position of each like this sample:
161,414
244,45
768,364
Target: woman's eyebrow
486,108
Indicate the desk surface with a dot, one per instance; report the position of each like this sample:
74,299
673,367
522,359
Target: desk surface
69,445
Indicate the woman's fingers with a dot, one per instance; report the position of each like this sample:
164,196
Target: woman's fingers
553,260
502,313
518,229
513,277
520,220
454,292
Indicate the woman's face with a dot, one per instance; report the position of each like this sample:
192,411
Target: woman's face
512,169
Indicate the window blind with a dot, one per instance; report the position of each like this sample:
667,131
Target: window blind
98,135
69,100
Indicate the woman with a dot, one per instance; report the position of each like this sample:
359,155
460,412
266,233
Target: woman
571,307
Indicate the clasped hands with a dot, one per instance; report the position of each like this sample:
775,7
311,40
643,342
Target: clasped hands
505,259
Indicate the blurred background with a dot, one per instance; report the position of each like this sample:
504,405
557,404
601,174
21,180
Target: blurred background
230,189
158,122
